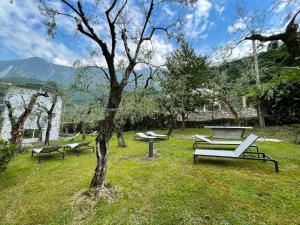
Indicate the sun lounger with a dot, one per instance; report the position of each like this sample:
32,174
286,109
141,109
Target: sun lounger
69,139
46,151
241,152
159,136
78,147
143,137
204,140
94,133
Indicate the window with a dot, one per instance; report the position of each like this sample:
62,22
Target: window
28,133
31,133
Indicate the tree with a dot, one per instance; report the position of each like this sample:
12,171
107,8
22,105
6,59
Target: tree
17,123
50,111
290,37
123,35
185,76
135,105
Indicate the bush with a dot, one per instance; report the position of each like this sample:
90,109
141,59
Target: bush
7,151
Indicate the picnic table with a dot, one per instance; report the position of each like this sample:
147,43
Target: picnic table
228,131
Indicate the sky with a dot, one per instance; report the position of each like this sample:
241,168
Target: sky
207,26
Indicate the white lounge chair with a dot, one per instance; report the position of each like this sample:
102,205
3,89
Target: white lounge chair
68,139
46,151
202,139
144,137
94,133
160,136
77,147
241,152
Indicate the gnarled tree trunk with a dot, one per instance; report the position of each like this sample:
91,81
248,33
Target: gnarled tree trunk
39,126
83,129
17,124
183,121
121,140
232,110
105,133
50,117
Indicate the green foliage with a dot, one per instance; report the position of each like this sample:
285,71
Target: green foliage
186,74
281,97
7,151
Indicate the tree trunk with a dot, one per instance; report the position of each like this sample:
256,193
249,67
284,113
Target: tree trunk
172,122
38,124
16,134
121,141
183,121
74,128
105,133
232,110
50,116
260,114
17,124
49,125
83,130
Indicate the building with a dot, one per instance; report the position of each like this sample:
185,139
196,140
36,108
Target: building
20,94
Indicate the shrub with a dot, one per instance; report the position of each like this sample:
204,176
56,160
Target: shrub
7,151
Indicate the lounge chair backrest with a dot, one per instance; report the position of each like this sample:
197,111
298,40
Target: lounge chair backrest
245,144
50,149
142,135
203,138
151,133
83,144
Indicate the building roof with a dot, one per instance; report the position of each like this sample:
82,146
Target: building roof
6,85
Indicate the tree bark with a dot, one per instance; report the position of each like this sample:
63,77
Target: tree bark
290,37
38,124
232,110
183,121
17,124
105,133
172,122
50,117
83,129
121,140
83,124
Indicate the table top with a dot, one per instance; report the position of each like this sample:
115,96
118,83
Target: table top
227,127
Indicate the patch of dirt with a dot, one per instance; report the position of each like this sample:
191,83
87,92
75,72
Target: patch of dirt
84,202
155,156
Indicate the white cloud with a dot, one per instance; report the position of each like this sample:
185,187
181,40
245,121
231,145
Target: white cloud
238,25
219,9
24,34
197,21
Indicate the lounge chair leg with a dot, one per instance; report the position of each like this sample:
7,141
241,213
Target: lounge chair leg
264,156
39,158
195,157
31,153
276,166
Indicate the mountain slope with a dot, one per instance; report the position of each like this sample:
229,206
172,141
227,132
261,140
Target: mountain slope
36,69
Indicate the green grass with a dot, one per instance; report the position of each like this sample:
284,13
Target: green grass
169,190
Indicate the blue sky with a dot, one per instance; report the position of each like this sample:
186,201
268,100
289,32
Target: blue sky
208,25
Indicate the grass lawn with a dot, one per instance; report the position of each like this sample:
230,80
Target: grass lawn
169,190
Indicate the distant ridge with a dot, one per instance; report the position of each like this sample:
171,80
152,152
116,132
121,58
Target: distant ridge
36,69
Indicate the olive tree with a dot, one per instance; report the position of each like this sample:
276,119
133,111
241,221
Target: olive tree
124,36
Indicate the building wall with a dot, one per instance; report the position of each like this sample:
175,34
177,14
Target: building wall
17,96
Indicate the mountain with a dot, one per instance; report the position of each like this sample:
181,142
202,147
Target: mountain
36,69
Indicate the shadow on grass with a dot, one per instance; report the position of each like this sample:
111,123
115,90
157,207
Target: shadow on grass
235,164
